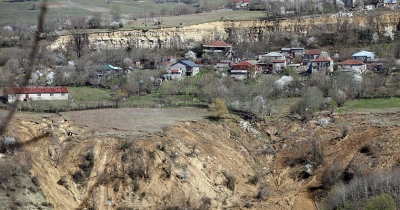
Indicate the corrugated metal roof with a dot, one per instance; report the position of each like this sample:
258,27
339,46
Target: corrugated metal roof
363,54
36,89
188,63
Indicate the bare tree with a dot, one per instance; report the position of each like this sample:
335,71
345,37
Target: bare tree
79,34
115,12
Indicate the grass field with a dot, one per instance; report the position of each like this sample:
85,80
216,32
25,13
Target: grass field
371,105
18,12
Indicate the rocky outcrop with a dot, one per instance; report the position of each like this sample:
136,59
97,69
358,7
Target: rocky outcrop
233,31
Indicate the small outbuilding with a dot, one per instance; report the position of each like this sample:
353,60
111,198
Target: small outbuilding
11,94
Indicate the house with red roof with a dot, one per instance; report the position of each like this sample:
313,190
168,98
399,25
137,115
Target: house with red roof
241,4
352,65
217,46
322,63
311,55
241,70
12,94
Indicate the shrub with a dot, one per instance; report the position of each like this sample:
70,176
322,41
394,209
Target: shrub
231,181
254,179
381,202
35,181
323,122
78,177
264,191
219,107
62,180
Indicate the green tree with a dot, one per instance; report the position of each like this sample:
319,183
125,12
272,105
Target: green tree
219,107
381,202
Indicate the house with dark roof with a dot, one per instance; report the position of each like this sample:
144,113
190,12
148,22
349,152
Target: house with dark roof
12,94
217,46
311,55
183,68
352,65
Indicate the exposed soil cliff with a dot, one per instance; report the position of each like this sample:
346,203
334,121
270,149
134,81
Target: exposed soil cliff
237,31
199,164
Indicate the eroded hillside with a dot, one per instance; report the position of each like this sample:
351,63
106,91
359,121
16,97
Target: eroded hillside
279,163
236,31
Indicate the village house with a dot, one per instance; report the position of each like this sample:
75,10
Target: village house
241,70
240,4
217,46
269,57
108,69
183,68
296,52
12,94
278,65
364,56
285,51
322,63
311,55
352,65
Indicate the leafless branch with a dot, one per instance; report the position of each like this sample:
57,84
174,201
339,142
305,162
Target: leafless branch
25,82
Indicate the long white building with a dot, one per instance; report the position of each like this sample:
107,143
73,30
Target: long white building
11,94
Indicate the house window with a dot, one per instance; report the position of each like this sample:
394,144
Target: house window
62,94
51,94
39,94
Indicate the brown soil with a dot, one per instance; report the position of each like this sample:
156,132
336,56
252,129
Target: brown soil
191,163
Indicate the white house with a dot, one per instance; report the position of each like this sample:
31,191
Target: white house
271,56
278,65
364,56
184,68
322,63
352,65
36,93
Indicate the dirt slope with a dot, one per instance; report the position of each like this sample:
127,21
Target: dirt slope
199,164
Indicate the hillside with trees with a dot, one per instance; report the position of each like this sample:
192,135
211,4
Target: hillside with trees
129,138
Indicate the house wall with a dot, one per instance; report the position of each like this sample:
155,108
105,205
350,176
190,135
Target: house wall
34,96
328,66
238,74
277,67
264,58
195,70
358,69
